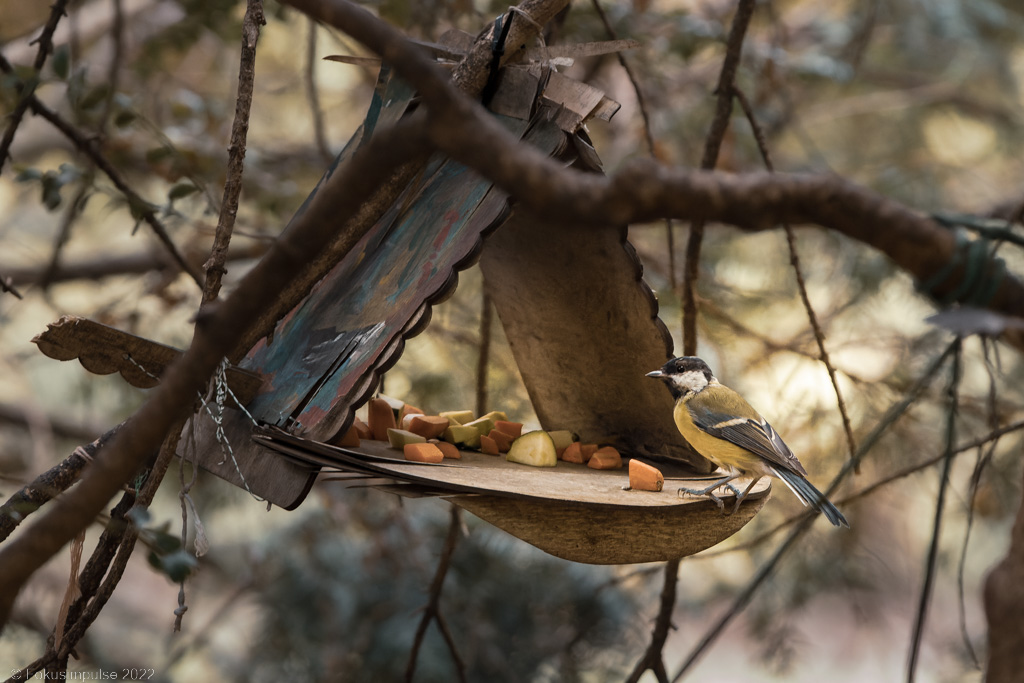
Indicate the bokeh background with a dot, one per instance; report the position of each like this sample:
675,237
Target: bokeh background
919,101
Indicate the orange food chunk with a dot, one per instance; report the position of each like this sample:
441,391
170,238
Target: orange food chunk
587,450
422,452
449,450
380,418
513,429
362,429
503,440
407,410
350,439
606,458
488,446
428,426
644,477
573,453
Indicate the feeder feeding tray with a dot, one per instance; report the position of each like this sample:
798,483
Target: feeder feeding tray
570,511
581,323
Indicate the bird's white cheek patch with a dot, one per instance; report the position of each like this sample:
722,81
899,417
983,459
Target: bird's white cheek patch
692,380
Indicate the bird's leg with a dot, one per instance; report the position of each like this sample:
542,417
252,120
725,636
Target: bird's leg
724,481
743,496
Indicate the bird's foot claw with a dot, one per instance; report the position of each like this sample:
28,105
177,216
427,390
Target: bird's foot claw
707,493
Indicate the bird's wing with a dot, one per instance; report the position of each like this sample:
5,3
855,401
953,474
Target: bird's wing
754,434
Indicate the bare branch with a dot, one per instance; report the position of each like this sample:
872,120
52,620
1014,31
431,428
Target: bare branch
88,146
26,90
794,260
712,144
214,266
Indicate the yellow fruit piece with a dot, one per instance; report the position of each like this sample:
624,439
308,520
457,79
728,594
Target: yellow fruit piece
399,438
535,449
458,417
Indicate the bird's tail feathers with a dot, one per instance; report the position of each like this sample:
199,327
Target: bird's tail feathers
808,495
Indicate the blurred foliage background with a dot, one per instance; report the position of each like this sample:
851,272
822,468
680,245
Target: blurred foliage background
920,101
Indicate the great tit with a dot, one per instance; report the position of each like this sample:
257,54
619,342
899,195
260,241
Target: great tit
723,428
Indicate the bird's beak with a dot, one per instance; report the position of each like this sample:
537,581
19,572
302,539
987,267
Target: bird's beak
656,374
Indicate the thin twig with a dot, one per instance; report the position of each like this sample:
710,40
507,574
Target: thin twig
940,502
433,608
214,265
641,103
484,356
7,286
87,145
313,94
26,90
984,457
653,658
803,524
794,260
712,145
74,209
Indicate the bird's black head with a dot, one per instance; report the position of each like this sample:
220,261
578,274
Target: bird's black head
683,375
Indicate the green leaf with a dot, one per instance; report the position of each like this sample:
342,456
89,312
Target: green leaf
177,565
61,62
28,175
138,516
158,154
94,97
181,190
124,118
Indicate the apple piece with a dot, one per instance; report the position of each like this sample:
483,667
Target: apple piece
458,417
380,418
644,477
422,452
483,425
533,448
398,438
394,403
606,458
462,434
562,438
496,415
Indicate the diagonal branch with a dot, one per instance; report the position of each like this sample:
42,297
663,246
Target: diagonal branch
432,611
712,145
794,259
87,145
26,90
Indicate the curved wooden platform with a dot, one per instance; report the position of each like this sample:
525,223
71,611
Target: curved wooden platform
570,511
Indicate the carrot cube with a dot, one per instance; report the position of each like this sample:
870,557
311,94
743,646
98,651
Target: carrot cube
429,426
449,450
381,418
587,450
422,452
362,429
513,429
644,477
573,453
606,458
503,440
350,439
488,446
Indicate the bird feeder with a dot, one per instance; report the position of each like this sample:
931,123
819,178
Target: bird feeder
581,323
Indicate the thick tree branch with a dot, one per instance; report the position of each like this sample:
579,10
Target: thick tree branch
1004,603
